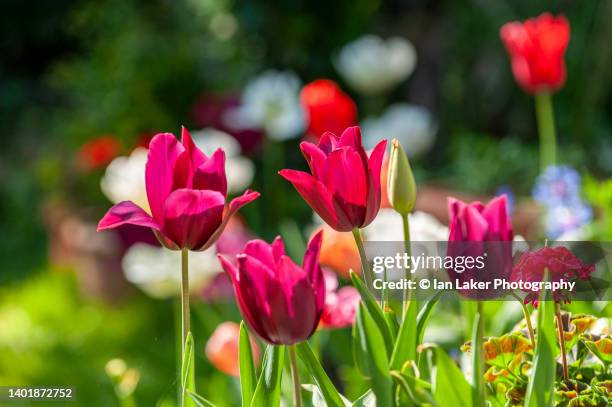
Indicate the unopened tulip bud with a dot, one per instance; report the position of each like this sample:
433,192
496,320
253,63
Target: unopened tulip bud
401,187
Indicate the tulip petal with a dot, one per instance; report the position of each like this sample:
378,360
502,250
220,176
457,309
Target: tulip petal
197,157
164,152
126,212
496,215
278,248
233,207
211,174
328,142
192,216
319,198
475,225
345,177
261,251
315,158
374,187
311,265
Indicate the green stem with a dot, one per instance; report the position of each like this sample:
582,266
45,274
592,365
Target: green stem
561,341
479,363
362,255
407,294
527,316
184,298
546,129
295,375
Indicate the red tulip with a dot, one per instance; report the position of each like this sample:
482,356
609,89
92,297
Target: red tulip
98,152
537,48
186,191
561,265
327,108
344,188
480,230
279,300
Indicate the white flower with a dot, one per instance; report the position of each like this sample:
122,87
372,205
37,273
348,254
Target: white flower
124,179
270,102
387,227
372,65
157,271
238,168
413,126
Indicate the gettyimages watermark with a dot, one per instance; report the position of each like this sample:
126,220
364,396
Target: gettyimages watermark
572,271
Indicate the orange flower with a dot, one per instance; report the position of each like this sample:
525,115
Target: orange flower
222,348
339,252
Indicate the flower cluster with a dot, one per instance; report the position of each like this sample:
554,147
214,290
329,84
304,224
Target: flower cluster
557,189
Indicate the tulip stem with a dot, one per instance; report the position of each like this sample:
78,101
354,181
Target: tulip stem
184,297
561,341
407,294
527,316
546,129
295,374
362,255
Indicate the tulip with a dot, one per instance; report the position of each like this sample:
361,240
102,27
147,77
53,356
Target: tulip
279,300
476,229
222,348
186,192
401,187
340,304
327,108
344,185
339,252
537,48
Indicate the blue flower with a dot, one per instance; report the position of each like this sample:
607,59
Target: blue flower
510,200
557,185
567,217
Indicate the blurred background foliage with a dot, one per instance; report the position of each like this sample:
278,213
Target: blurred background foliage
72,70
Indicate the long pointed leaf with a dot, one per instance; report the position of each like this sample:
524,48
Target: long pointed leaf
199,400
424,314
374,310
187,371
326,387
405,345
248,377
372,347
450,386
540,390
477,362
267,392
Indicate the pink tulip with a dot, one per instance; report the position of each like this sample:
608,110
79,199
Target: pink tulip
340,304
279,300
344,184
476,230
186,192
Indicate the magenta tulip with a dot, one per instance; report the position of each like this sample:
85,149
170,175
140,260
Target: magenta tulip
477,230
186,191
280,301
344,184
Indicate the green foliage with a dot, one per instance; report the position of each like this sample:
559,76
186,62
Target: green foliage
248,376
268,390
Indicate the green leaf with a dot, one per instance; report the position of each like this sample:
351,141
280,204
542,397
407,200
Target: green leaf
405,345
199,400
267,392
248,376
374,356
367,399
374,310
392,323
417,391
478,391
327,388
540,390
450,387
424,314
187,371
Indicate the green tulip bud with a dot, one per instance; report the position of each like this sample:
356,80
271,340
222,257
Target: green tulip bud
401,187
